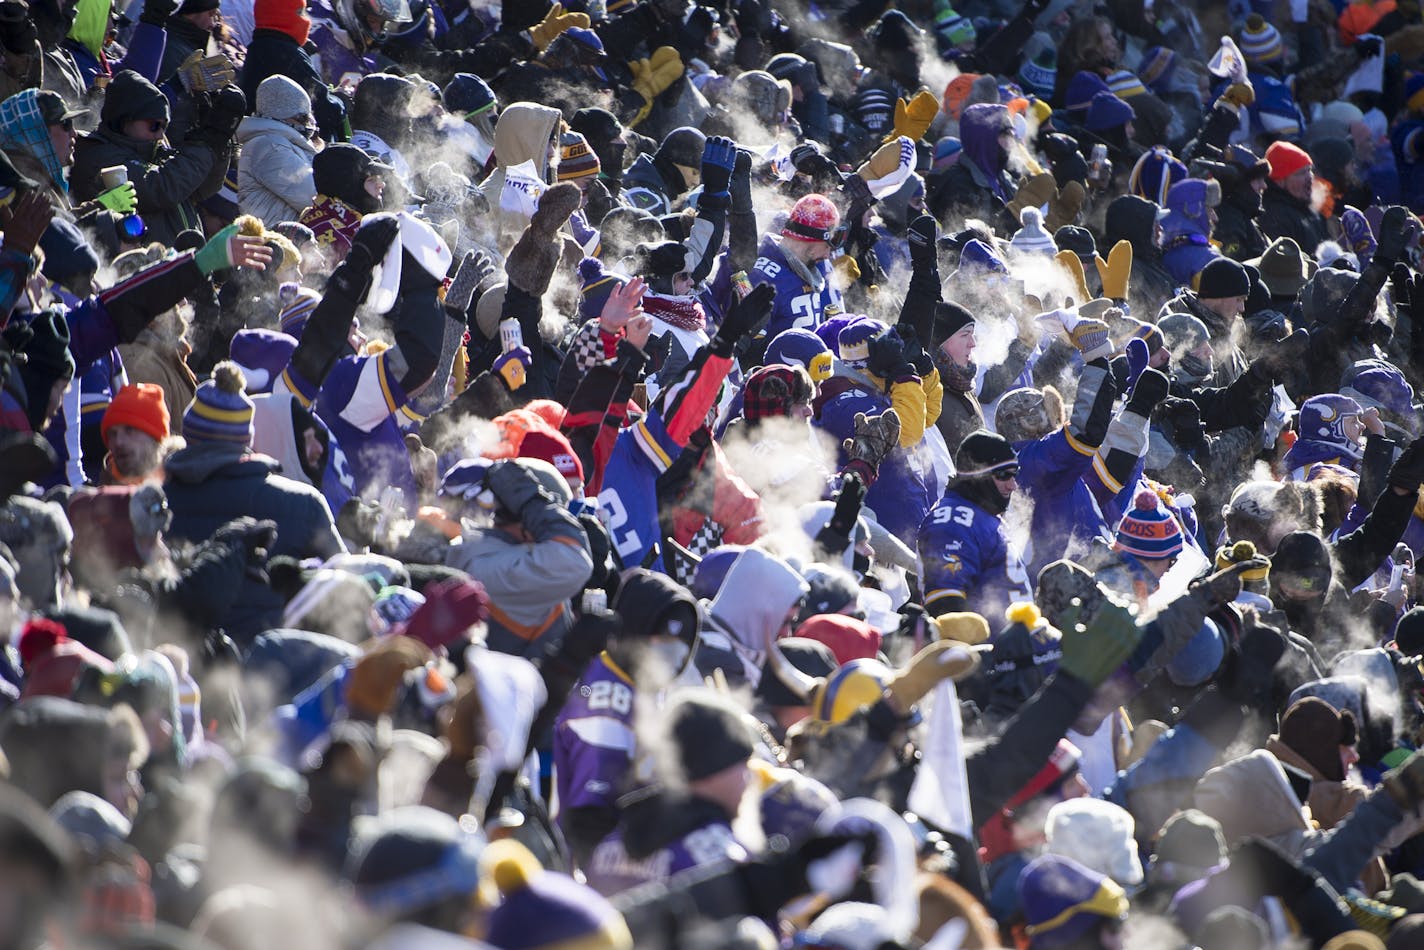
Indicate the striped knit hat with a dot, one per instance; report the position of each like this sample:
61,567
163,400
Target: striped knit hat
1260,42
220,410
1148,530
576,159
1156,68
297,303
1124,84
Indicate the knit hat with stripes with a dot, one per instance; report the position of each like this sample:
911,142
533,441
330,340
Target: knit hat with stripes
1148,530
1260,42
220,410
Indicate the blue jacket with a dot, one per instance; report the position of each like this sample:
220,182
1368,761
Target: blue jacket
964,551
798,303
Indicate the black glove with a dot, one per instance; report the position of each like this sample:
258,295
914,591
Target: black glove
808,160
17,28
587,638
253,536
1150,390
1367,46
226,110
1407,472
1065,158
887,357
719,158
742,318
515,486
372,241
922,234
1394,233
741,183
915,351
1184,416
836,536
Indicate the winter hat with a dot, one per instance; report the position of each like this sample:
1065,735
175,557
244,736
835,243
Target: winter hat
1107,111
297,302
1098,834
854,341
284,16
946,152
1284,267
1039,71
546,910
467,96
1322,419
451,608
1315,730
93,822
411,858
830,330
261,355
982,452
772,391
1063,901
1155,173
798,347
553,447
1032,238
1380,384
393,605
1243,551
140,406
808,657
280,98
1156,68
220,410
596,284
1303,557
1223,277
1082,89
576,159
664,259
949,319
812,218
979,259
1285,160
1260,42
1080,241
1148,530
951,28
831,589
682,146
47,350
1191,846
197,6
846,637
1199,659
1124,84
710,733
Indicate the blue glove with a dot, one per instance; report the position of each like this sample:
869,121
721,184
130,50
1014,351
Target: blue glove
719,155
1137,359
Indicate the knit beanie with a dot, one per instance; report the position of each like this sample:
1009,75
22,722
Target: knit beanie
1155,173
946,152
47,350
1191,845
1260,41
710,734
1107,111
1303,557
1124,84
1148,530
1285,160
1039,71
1409,632
451,608
140,406
546,910
298,302
798,347
1243,551
284,16
467,95
220,410
1032,238
553,447
261,355
1223,277
1315,730
854,341
830,330
576,159
595,284
1081,91
411,858
1063,900
682,146
846,637
812,218
280,98
1156,68
982,452
949,319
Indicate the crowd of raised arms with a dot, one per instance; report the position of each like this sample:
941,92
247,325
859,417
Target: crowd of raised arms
758,474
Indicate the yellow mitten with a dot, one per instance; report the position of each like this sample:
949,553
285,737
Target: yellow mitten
944,659
886,160
1116,271
847,269
667,68
642,71
1070,263
1034,193
913,116
1064,209
962,628
554,23
1238,95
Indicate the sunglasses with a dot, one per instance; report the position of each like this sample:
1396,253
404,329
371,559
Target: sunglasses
1005,474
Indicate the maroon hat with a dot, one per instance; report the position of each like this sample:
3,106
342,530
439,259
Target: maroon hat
451,607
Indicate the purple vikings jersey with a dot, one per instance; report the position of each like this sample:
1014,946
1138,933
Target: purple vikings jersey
612,871
798,304
964,550
593,738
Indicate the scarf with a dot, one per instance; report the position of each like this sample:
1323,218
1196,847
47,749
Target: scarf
685,313
956,377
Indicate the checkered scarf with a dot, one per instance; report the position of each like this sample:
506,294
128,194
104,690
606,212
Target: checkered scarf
773,390
23,128
591,346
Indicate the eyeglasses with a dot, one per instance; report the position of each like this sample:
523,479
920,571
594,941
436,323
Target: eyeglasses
1005,474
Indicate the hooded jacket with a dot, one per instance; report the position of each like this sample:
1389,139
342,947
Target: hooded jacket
522,134
750,607
1284,215
1186,230
275,53
1134,219
274,180
979,185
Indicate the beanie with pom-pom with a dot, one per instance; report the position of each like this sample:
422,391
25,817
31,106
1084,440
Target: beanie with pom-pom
1149,531
1032,238
545,909
220,410
595,284
38,637
1243,551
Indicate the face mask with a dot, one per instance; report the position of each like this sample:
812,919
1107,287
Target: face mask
1193,367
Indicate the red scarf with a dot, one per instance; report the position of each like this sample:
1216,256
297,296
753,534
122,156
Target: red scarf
685,313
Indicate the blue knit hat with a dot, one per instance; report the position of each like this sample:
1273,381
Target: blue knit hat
545,909
854,341
980,257
798,347
1063,901
596,284
1195,663
1081,90
467,95
1155,173
1148,530
946,152
261,355
297,304
220,410
1260,42
1157,66
1107,111
1039,71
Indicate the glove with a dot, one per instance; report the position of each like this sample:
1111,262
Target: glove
216,255
372,241
1184,416
808,160
828,864
1116,271
913,116
531,262
875,438
653,75
1151,389
1070,263
887,357
1137,360
513,367
915,351
1394,233
1034,193
922,234
226,110
18,33
1407,472
941,660
120,200
1063,209
200,74
966,628
1405,783
1091,338
1278,361
555,22
743,318
587,638
1093,652
1367,46
857,193
1238,95
838,533
475,268
719,158
514,486
252,536
741,183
